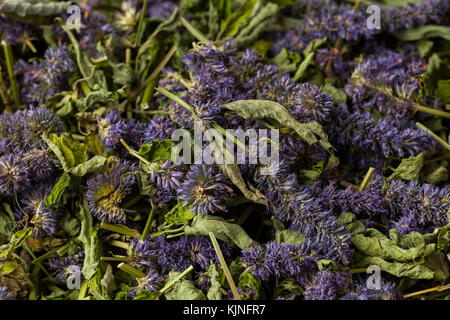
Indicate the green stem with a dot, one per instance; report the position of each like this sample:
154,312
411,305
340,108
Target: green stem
224,266
415,106
47,255
34,258
35,278
229,136
119,244
196,33
63,250
10,68
131,271
83,290
133,201
176,235
148,223
178,100
434,135
359,270
85,87
177,278
134,153
367,178
438,288
141,23
147,84
124,259
128,57
119,229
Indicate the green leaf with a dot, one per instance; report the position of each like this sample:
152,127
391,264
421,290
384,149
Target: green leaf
310,132
108,283
58,190
183,289
409,168
424,32
424,46
225,231
122,73
87,68
92,266
374,243
145,295
284,60
437,176
96,98
89,166
249,281
324,264
443,90
398,269
6,227
157,150
33,7
302,67
214,291
70,153
16,241
313,45
292,237
338,94
231,25
249,192
179,215
256,24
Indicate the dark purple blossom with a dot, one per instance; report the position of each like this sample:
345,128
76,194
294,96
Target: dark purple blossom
13,175
204,190
107,191
65,265
5,294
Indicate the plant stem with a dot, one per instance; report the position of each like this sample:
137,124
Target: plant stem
125,259
34,258
83,290
175,235
438,288
63,250
10,68
367,178
434,135
46,256
133,201
134,153
148,223
177,99
146,84
131,271
196,33
179,277
359,270
141,23
119,244
224,266
119,229
415,106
